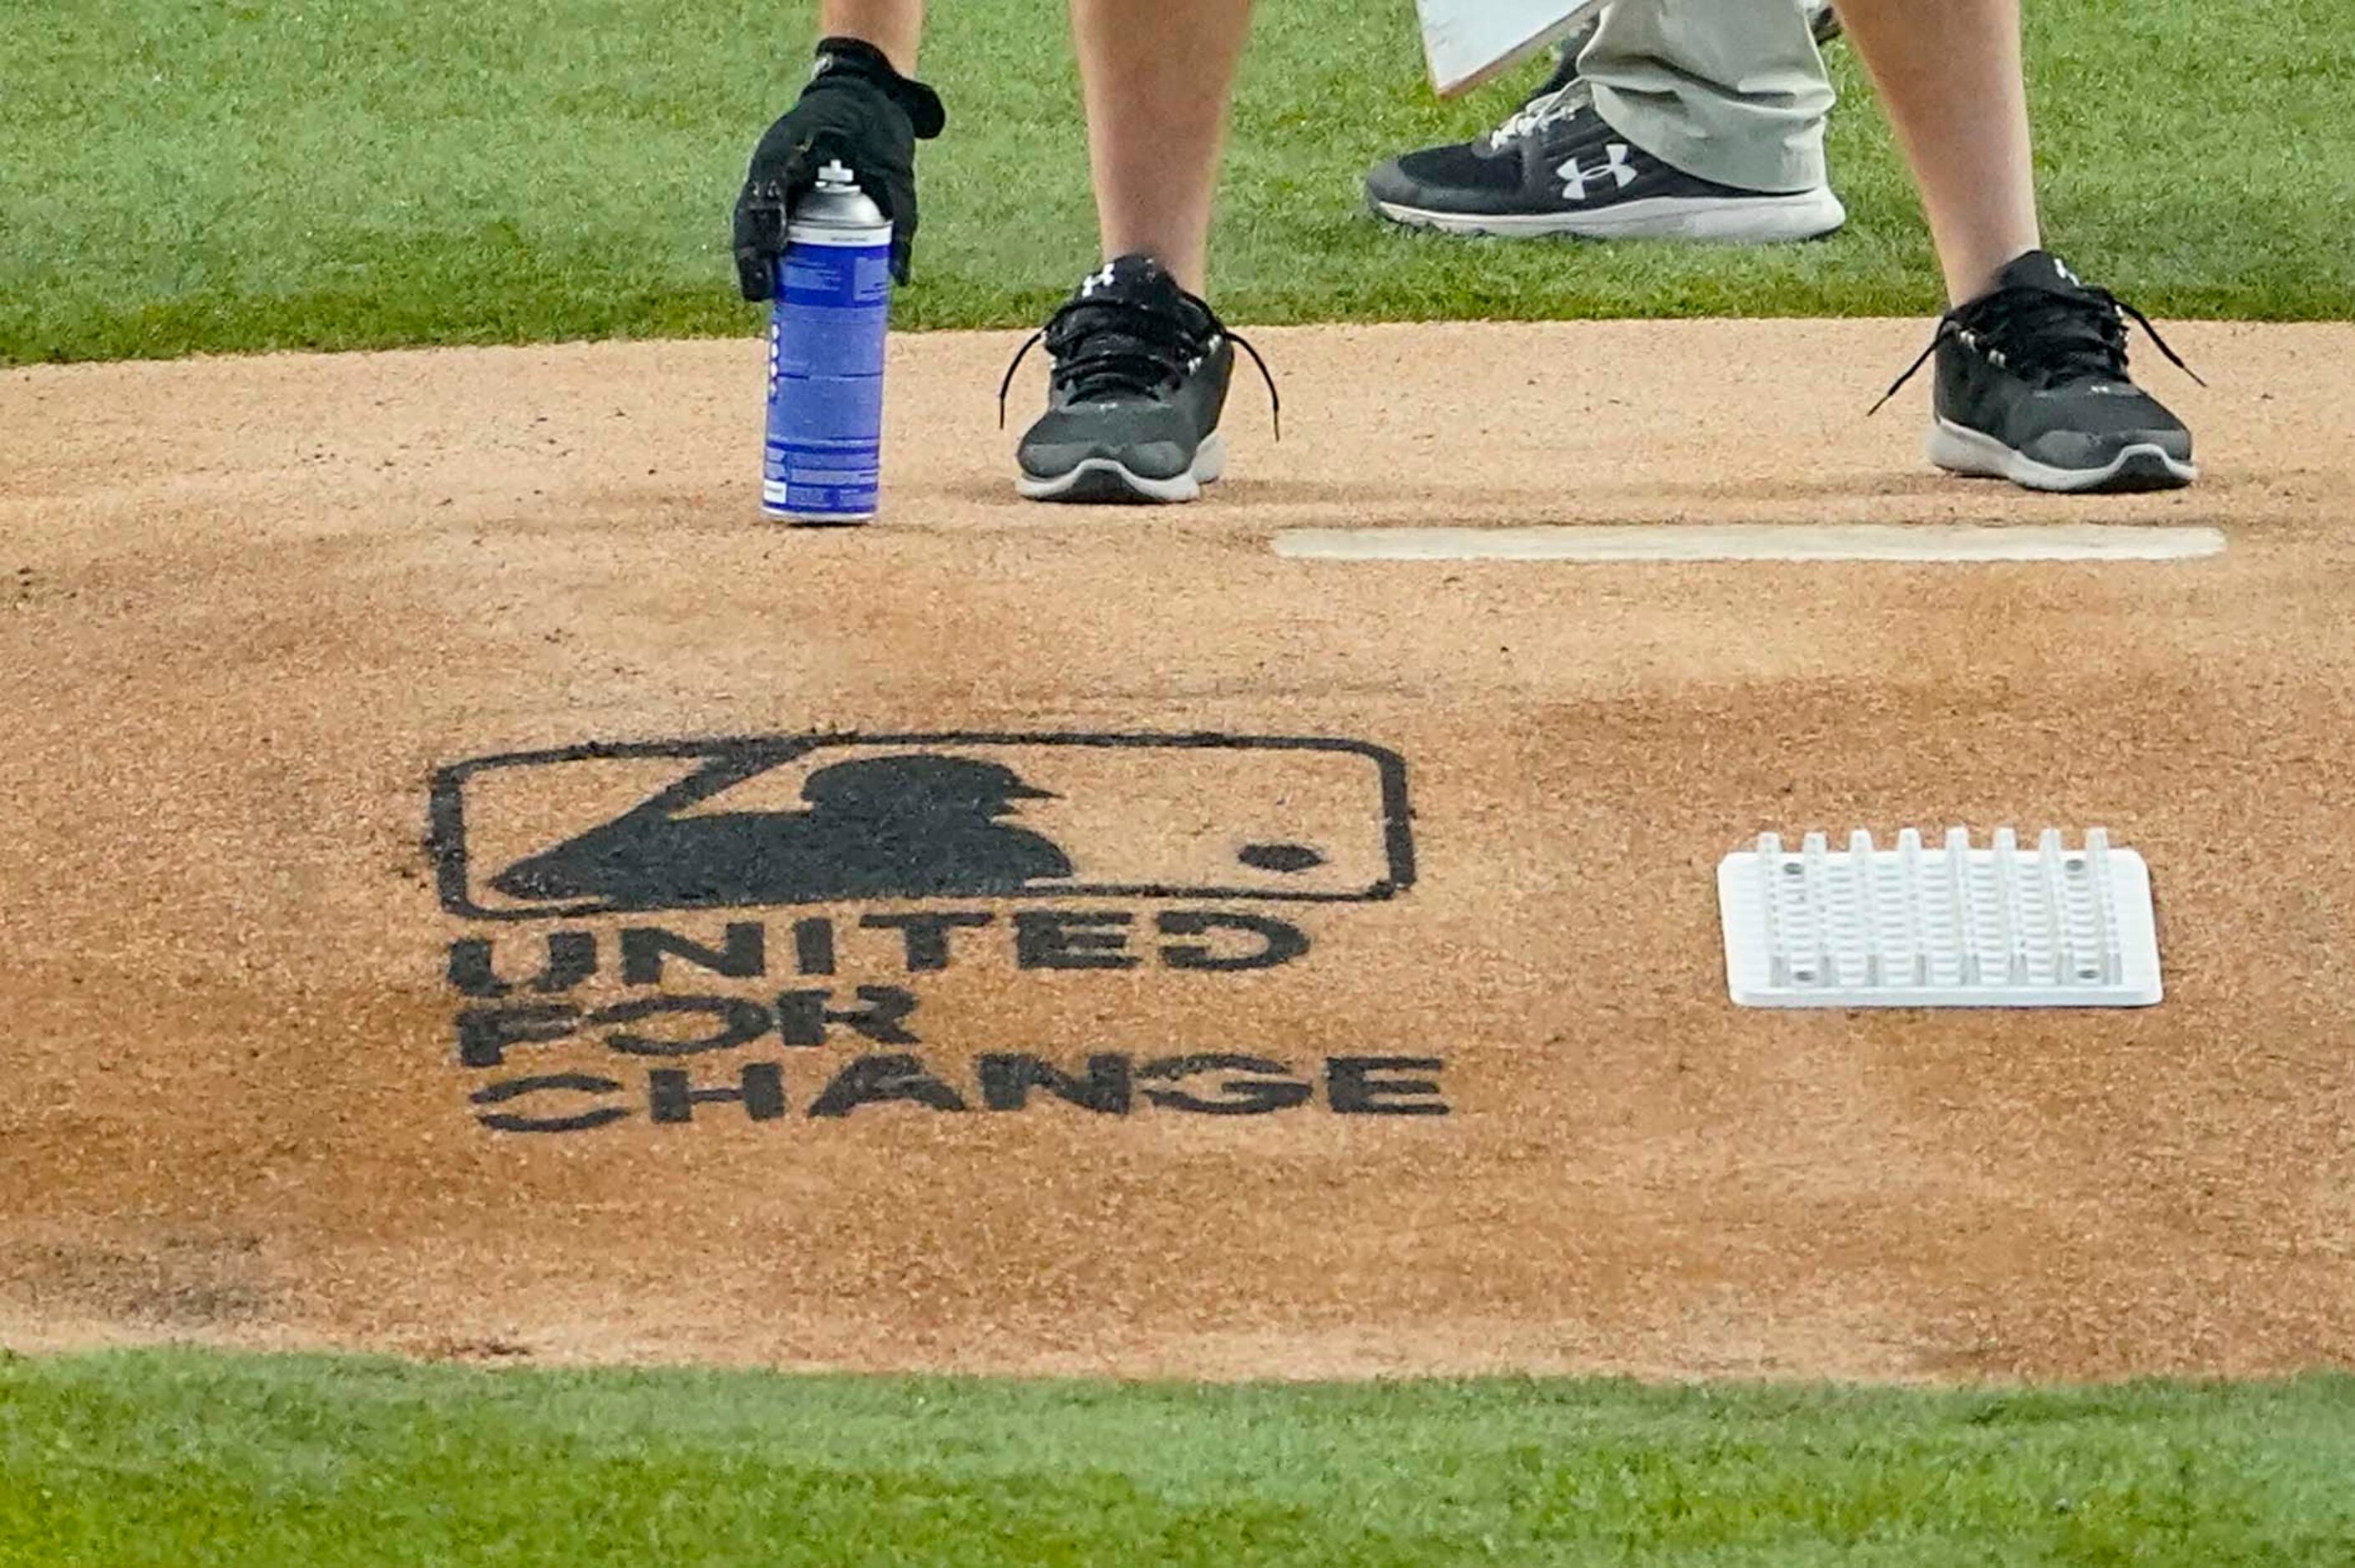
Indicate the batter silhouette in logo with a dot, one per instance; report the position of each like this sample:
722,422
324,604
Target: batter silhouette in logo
917,825
840,817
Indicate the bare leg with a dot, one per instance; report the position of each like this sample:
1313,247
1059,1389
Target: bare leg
895,27
1157,75
1949,76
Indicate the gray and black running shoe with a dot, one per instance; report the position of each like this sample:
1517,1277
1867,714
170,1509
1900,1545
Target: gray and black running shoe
1557,167
2031,386
1140,377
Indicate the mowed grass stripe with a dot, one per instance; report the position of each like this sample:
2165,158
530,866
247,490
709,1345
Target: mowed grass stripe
181,1456
240,176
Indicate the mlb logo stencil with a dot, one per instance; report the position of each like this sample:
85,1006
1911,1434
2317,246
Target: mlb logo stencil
775,820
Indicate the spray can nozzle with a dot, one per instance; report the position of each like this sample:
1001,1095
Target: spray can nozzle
835,176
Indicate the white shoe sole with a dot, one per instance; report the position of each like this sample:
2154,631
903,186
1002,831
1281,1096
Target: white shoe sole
1762,219
1106,480
1957,448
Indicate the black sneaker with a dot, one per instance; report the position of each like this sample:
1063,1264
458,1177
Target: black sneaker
1558,167
1140,377
2032,387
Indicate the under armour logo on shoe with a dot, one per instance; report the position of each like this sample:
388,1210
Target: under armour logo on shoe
1616,164
1096,281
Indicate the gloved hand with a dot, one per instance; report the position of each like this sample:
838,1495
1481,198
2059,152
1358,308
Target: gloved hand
856,109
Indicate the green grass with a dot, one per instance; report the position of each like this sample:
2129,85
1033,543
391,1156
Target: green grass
178,176
180,1457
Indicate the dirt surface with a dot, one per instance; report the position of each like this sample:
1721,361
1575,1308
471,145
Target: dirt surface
279,964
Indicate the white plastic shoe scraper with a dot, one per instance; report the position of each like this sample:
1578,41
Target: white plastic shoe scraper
1950,926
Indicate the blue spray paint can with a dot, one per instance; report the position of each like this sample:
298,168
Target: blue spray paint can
823,456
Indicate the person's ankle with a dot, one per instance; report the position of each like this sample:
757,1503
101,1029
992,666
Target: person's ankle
1978,276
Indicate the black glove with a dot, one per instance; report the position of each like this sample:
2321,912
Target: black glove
856,109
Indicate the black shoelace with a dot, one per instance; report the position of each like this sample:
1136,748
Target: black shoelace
2046,338
1105,346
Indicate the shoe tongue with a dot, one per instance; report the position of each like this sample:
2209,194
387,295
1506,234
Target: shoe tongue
1137,278
2070,334
1128,329
2041,270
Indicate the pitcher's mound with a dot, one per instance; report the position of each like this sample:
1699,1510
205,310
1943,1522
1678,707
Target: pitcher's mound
470,888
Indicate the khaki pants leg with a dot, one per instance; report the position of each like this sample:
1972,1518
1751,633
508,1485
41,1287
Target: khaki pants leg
1729,91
